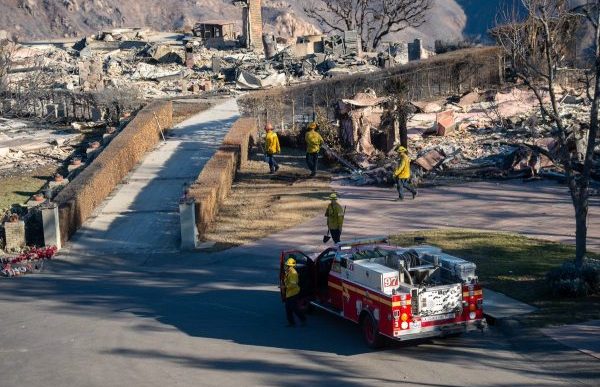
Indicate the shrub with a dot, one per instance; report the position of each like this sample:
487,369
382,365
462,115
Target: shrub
570,281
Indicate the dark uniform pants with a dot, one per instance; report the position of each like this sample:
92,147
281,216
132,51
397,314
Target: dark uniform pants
404,183
292,307
312,160
336,235
273,165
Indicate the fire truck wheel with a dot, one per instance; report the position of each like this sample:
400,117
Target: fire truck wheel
370,331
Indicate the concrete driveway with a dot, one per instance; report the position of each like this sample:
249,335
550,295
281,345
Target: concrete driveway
143,213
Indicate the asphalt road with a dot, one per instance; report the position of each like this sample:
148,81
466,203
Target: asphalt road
189,320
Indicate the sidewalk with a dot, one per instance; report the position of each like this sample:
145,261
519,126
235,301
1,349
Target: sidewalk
584,337
143,214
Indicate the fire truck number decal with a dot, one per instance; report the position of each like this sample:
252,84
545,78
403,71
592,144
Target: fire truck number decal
390,281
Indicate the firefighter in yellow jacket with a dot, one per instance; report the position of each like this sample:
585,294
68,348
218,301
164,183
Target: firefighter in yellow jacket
271,148
292,293
335,218
402,174
314,141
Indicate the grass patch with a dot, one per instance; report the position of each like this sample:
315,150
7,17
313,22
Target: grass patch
516,266
261,204
182,110
18,189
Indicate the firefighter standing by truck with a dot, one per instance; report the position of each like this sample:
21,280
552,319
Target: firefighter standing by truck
314,141
335,218
272,148
292,292
402,174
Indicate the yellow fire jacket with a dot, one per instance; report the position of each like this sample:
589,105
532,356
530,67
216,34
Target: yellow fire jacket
272,143
313,141
335,216
291,283
403,170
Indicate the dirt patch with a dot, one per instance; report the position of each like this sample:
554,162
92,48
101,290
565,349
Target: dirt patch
182,110
261,204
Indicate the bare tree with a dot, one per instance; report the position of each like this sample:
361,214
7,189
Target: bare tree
372,19
538,46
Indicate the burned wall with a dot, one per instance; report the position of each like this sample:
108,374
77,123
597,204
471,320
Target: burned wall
253,24
442,75
87,191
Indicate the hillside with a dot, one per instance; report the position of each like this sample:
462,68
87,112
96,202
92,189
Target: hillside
41,19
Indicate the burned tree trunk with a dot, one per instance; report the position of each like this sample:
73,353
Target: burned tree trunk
403,122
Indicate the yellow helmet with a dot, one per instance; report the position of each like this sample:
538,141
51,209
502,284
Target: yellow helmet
333,196
290,262
312,126
401,149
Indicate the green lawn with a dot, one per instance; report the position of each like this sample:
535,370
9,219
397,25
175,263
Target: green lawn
18,189
515,265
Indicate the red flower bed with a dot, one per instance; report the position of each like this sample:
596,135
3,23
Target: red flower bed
29,261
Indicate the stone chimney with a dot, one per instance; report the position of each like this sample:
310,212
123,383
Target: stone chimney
253,25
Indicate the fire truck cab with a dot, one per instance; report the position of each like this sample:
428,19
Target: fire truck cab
390,291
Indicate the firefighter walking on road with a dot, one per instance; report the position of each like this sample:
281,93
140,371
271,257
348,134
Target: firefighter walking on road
335,218
292,292
271,148
314,141
402,174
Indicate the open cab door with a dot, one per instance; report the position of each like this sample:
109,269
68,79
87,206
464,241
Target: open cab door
305,269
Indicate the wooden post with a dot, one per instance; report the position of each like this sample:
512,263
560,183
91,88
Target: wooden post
293,114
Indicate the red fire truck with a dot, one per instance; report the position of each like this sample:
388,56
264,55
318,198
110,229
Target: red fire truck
391,291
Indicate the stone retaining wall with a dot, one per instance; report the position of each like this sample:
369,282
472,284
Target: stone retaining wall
78,200
214,182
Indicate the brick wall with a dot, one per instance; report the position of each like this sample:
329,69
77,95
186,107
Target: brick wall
15,235
256,24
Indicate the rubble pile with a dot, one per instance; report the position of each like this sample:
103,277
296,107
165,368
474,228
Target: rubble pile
498,135
25,147
163,64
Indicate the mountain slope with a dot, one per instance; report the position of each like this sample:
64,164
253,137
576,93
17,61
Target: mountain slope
39,19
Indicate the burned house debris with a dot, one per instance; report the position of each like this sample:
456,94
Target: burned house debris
90,85
498,135
358,116
216,33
